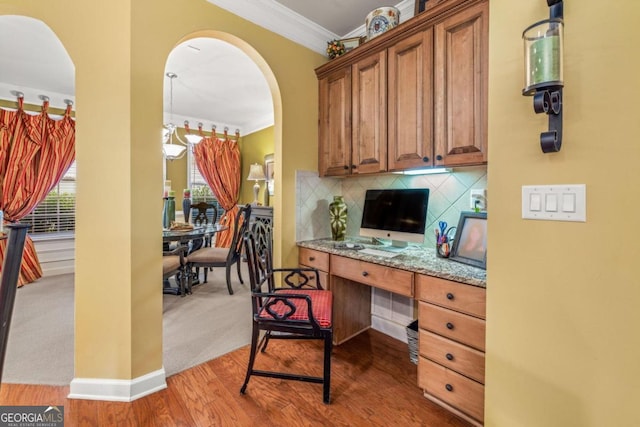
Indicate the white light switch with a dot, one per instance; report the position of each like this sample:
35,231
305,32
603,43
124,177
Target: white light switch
568,202
535,203
551,201
555,202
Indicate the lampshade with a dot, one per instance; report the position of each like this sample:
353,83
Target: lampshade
173,151
256,173
176,151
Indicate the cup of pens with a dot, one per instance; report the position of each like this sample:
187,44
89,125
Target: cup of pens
444,239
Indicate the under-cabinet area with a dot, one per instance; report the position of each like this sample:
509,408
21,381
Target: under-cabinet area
451,313
413,97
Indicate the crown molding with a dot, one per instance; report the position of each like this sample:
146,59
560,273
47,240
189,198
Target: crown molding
274,17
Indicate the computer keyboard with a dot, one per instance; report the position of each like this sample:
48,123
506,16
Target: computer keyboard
378,252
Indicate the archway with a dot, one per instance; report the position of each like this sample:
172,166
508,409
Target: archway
43,318
202,55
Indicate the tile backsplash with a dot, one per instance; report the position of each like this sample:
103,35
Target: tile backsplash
448,196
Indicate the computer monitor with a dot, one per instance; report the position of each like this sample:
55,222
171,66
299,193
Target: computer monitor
396,214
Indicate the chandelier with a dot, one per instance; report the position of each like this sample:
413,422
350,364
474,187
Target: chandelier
176,151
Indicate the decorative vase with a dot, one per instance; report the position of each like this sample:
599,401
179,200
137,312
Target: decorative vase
168,212
338,218
186,206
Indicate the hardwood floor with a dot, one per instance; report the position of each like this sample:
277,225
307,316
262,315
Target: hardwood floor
373,384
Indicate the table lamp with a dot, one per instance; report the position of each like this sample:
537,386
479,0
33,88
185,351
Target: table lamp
256,173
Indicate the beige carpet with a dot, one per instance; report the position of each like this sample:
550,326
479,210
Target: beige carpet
197,328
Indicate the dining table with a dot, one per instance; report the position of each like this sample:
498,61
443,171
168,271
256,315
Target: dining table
194,238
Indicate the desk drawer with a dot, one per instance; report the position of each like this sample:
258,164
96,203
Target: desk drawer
456,296
460,358
313,258
458,391
324,278
378,276
457,326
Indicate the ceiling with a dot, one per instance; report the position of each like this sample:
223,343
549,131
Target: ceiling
217,83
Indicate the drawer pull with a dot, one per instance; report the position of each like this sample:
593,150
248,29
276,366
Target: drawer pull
449,325
312,258
449,356
449,387
365,274
450,296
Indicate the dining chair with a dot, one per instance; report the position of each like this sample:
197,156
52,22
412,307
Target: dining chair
296,309
202,215
174,263
209,256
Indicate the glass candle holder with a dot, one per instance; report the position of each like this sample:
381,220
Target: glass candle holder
543,56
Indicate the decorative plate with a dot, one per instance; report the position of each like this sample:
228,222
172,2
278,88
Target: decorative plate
381,20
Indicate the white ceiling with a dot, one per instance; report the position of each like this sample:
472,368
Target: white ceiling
217,83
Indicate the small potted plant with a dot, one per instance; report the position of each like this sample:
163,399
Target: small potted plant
335,48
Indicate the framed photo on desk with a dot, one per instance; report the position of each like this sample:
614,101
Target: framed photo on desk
470,242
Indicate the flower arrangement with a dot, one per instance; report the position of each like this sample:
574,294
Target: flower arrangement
335,48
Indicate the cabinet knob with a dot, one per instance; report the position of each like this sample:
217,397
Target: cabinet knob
354,167
425,159
312,258
438,157
346,167
449,387
449,325
450,296
365,274
449,356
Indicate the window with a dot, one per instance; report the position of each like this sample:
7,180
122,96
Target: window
57,212
200,190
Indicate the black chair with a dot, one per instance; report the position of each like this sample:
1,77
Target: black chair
201,217
9,282
209,256
295,310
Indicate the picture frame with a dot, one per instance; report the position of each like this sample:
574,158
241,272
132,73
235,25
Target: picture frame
269,171
351,43
470,242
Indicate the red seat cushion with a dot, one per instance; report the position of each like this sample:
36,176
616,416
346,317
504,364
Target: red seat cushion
321,304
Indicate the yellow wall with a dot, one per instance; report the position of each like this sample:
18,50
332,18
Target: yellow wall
563,298
119,50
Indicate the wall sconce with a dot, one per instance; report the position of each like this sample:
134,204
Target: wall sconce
543,73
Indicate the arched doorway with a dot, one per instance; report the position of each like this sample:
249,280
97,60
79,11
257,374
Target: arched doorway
215,72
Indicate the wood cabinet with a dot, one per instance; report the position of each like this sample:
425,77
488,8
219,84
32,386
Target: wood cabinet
334,129
318,260
369,114
353,118
413,97
410,113
461,67
451,320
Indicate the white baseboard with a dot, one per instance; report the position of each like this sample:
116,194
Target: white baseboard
117,390
390,328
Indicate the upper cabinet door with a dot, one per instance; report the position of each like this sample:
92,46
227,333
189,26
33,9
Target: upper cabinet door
369,97
461,46
334,130
410,91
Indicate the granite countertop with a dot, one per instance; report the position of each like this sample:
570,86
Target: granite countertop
415,258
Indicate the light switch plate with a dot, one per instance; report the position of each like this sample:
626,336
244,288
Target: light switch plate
562,202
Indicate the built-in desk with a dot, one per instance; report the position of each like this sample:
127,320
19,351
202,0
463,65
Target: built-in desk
451,313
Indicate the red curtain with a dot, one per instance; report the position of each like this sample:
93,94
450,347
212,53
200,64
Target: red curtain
35,152
219,163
